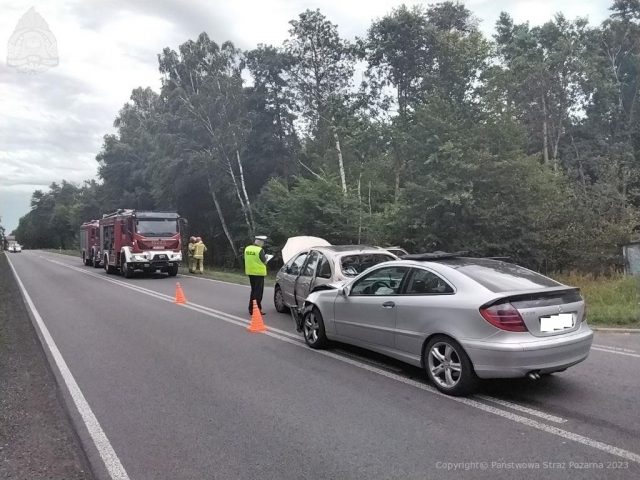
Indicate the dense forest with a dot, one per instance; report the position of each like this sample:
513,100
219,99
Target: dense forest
424,133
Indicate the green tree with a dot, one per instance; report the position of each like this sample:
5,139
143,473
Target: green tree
544,70
203,88
320,74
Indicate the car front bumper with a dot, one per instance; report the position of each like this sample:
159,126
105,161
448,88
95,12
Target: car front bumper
492,359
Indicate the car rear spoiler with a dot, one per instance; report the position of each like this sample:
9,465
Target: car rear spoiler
533,294
438,255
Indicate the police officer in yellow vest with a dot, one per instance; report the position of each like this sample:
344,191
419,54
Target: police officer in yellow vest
255,266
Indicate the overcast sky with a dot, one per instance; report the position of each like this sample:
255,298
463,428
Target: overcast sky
52,123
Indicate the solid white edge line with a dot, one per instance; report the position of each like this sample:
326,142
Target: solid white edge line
107,453
577,438
521,408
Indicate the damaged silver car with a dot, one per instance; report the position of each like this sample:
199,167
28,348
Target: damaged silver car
310,268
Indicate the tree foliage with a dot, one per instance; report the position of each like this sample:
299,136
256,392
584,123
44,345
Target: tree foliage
524,145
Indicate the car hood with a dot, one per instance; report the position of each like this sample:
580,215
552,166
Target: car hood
297,244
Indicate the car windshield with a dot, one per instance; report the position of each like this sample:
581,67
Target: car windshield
500,276
160,227
355,264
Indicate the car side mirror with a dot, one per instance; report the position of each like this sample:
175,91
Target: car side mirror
344,291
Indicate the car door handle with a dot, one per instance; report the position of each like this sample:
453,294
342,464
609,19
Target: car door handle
388,305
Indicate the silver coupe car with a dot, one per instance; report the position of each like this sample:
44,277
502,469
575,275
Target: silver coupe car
459,318
314,267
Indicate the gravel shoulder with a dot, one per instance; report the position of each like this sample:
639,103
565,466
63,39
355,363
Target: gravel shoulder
37,440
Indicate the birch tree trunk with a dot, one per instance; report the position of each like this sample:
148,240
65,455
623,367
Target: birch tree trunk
223,222
555,147
396,185
243,206
545,132
340,160
359,210
246,196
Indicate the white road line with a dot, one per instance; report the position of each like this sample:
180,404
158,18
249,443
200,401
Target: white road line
581,439
100,440
217,281
617,349
635,355
280,335
521,408
367,360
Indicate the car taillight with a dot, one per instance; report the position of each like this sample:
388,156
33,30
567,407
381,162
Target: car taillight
504,316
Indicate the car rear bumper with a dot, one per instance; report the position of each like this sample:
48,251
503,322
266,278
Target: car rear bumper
493,359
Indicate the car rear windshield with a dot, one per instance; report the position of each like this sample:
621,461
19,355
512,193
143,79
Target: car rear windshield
500,276
355,264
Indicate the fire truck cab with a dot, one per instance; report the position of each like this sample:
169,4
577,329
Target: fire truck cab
90,243
133,240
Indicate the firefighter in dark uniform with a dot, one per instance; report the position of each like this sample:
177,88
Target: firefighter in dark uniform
255,266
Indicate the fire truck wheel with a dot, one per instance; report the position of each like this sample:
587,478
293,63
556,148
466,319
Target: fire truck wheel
173,271
108,268
126,270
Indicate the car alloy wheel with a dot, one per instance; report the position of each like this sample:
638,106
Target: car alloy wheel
278,300
313,329
445,365
449,367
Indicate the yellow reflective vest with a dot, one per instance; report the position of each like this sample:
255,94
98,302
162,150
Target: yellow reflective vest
252,263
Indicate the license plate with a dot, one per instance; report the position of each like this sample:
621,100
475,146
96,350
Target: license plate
553,323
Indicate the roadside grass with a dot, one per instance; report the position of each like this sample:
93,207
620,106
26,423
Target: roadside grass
231,276
71,253
612,301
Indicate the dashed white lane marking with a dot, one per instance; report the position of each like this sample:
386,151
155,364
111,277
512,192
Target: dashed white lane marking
607,350
291,339
109,457
615,349
521,408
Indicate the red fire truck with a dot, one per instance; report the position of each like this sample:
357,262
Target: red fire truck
90,243
137,240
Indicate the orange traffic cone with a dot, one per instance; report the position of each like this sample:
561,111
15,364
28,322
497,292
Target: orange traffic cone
180,298
257,324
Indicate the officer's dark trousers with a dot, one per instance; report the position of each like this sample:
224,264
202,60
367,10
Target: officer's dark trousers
257,289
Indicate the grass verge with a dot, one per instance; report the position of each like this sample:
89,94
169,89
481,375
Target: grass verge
71,253
611,301
231,276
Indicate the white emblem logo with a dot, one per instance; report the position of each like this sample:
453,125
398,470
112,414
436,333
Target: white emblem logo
32,47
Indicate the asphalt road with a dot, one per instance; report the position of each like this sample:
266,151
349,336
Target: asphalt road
185,392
